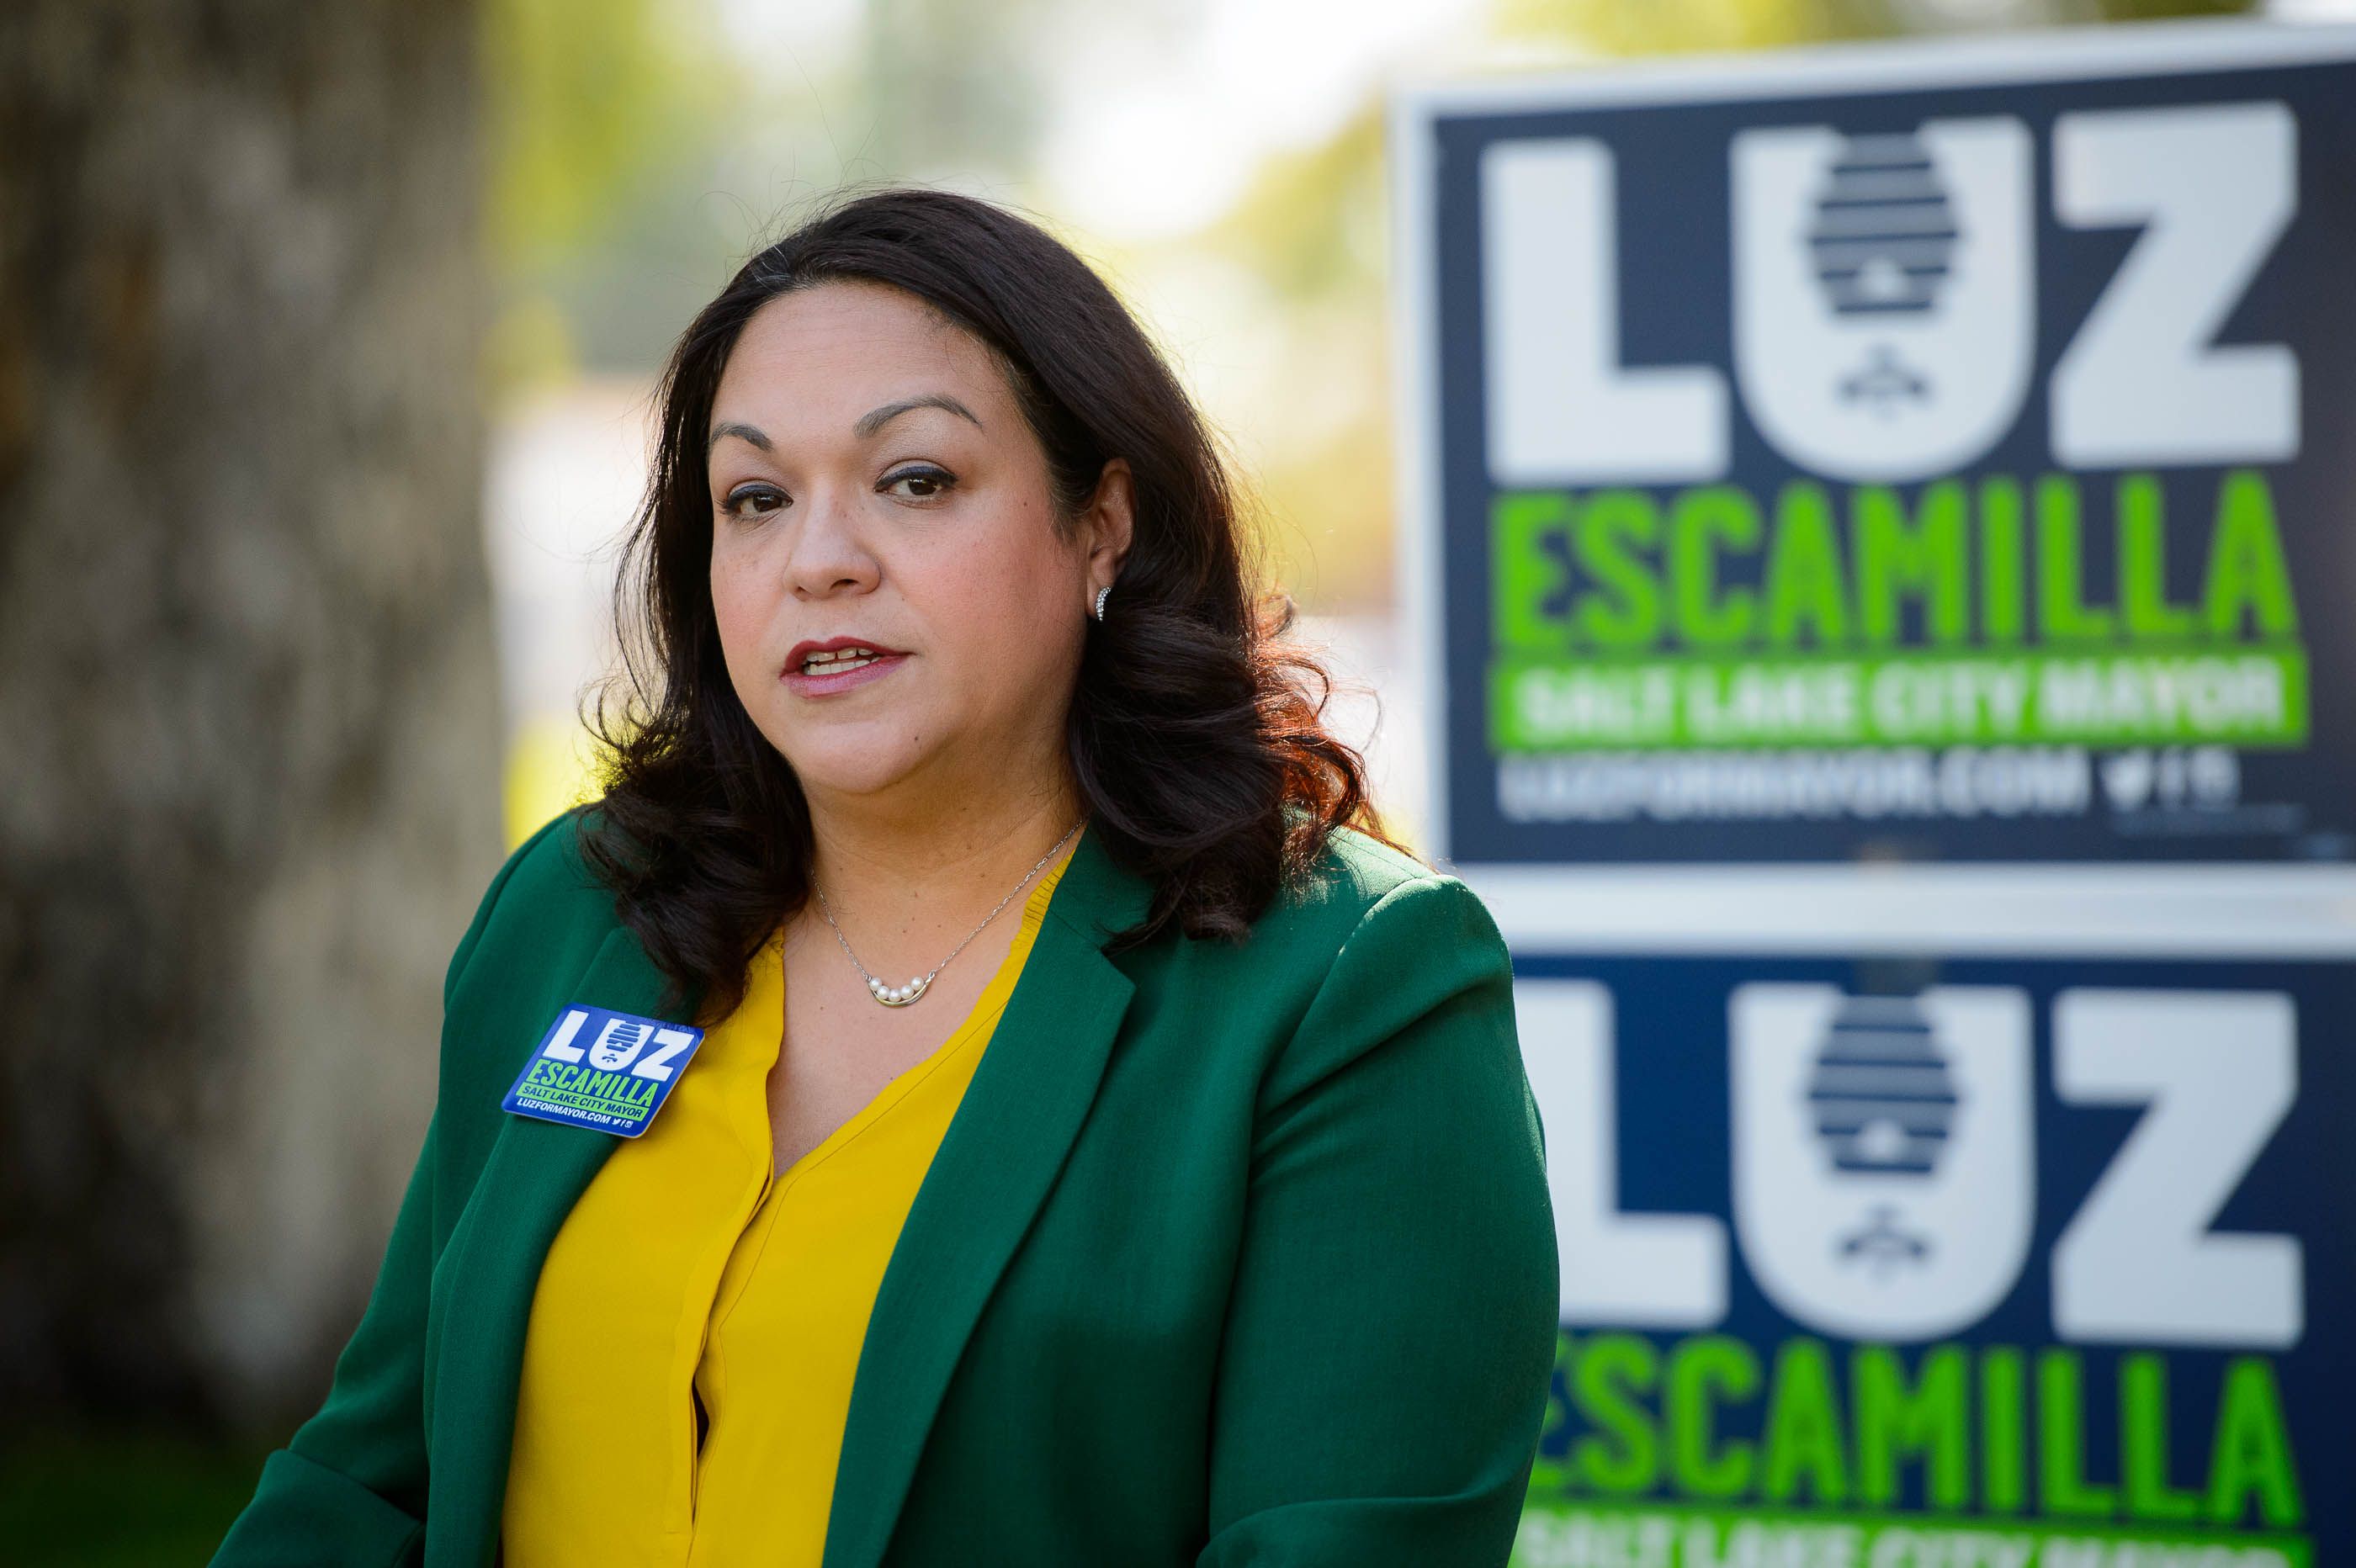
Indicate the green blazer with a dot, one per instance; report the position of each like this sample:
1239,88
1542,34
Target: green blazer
1232,1254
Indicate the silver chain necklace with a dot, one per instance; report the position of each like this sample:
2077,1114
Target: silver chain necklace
901,996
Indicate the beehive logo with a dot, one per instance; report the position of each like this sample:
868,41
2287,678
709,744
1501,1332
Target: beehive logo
1883,1097
1882,244
1885,1103
1884,292
1883,1153
1885,232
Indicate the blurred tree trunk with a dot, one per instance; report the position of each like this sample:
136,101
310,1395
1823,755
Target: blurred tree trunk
248,720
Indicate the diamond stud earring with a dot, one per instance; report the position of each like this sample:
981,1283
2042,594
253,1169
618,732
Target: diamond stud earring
1101,593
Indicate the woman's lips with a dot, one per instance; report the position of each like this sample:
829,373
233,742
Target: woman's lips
826,685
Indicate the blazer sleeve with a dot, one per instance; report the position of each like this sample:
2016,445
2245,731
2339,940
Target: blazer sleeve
1391,1330
348,1488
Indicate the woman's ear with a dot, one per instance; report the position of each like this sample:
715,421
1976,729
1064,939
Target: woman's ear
1110,522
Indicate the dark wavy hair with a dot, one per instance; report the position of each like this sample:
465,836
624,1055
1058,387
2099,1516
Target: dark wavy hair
1199,750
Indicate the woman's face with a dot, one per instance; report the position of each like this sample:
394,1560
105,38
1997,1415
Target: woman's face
877,495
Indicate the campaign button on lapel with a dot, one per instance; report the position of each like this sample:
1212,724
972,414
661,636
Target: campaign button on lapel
603,1070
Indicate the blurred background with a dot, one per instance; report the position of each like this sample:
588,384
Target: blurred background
326,337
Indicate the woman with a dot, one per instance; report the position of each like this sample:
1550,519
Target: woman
979,1088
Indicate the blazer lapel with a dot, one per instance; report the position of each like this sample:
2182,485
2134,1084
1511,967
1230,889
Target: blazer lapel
535,1172
995,1165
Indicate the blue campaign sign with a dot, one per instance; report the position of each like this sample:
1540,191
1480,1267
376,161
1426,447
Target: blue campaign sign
1933,453
1986,1259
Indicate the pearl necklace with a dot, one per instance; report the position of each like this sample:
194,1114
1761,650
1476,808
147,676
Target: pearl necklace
901,996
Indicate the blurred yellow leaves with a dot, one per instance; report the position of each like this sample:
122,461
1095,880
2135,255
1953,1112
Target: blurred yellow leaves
551,768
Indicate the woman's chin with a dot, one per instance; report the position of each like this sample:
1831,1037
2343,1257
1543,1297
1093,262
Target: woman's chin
850,774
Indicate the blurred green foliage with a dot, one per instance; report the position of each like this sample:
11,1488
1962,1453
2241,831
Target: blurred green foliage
593,112
584,97
124,1499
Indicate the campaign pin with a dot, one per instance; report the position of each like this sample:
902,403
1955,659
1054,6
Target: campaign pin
596,1068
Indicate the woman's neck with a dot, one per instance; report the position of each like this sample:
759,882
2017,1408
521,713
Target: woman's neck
903,877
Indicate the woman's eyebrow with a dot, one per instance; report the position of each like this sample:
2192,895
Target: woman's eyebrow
875,419
741,432
867,424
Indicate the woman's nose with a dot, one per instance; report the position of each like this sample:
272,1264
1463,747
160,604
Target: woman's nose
826,550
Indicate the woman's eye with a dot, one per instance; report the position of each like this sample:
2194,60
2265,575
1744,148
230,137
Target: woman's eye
734,505
935,482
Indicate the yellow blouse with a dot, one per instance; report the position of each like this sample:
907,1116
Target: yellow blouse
685,1265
